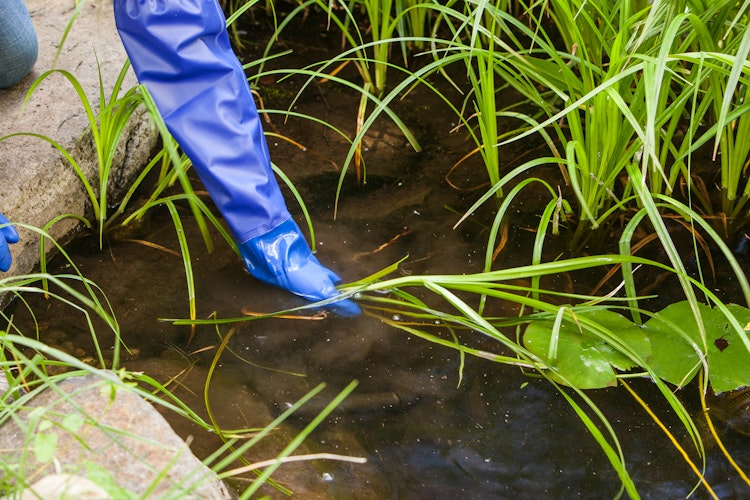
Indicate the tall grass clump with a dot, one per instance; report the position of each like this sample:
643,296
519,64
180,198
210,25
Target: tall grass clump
388,23
387,20
106,125
614,84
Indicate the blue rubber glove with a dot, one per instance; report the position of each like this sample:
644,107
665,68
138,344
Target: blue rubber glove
8,234
180,52
282,258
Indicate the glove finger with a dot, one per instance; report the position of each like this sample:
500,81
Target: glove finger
5,258
8,232
345,307
335,279
316,286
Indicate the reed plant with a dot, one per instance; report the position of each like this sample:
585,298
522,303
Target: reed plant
726,114
615,84
326,71
106,125
415,21
404,23
481,70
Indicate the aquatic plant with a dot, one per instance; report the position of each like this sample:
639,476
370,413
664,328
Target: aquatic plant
415,19
107,125
668,342
388,23
328,70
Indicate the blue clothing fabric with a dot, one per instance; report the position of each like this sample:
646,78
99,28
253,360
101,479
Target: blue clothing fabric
180,51
18,43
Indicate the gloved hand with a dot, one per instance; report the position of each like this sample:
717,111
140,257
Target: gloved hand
180,51
8,234
283,258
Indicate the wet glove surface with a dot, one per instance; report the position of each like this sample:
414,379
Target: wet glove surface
8,234
283,258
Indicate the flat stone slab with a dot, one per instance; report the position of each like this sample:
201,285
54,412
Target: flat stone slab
94,427
37,184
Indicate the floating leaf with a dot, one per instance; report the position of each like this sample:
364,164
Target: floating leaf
678,350
675,343
589,346
729,368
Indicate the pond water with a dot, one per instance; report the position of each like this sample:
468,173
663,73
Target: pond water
427,429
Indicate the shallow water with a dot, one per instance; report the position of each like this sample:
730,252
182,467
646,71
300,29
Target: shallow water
427,429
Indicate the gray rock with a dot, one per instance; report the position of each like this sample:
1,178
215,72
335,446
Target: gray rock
64,486
120,442
36,183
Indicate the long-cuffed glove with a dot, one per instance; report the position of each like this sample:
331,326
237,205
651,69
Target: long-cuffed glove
282,257
180,51
8,234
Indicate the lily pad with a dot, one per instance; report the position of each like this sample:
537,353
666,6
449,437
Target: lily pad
584,359
678,350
